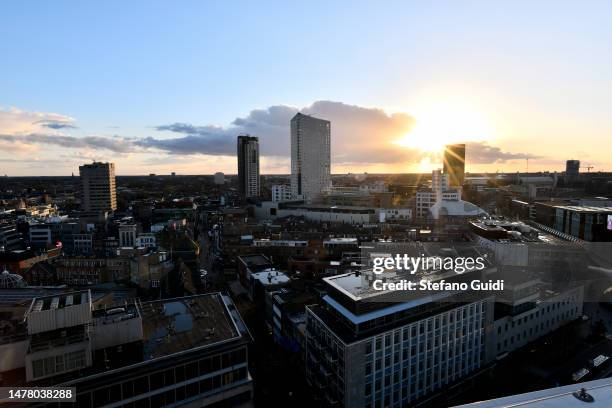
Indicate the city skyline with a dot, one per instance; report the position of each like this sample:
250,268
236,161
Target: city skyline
168,89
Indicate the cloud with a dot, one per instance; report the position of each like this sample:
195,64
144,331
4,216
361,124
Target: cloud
211,140
118,145
14,121
58,125
358,133
483,153
361,137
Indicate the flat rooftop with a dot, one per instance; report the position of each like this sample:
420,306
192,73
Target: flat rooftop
599,390
342,241
257,260
271,277
329,208
586,208
359,285
14,296
175,325
506,230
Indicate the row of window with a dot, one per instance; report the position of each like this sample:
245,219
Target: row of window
432,324
168,377
58,364
182,392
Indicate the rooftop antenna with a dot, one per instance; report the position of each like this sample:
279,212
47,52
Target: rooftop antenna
527,165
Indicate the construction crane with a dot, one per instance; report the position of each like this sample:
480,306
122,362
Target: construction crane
589,167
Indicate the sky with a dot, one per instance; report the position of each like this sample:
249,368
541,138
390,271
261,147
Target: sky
159,86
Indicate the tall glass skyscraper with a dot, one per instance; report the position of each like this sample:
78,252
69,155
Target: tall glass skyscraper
454,164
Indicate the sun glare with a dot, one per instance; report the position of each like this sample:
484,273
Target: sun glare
443,123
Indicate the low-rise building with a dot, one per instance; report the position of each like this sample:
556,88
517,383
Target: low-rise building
189,351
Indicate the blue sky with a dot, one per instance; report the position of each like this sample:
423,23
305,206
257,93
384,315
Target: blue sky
537,73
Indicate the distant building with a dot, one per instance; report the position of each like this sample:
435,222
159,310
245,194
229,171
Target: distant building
40,235
318,213
127,235
582,221
98,188
356,196
376,187
394,214
82,244
265,281
248,166
249,264
572,168
440,190
149,269
455,210
146,240
10,238
219,178
310,156
280,193
83,270
454,164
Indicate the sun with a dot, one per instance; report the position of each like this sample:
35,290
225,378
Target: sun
443,123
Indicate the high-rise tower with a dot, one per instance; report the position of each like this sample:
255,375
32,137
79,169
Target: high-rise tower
454,164
98,188
310,156
248,166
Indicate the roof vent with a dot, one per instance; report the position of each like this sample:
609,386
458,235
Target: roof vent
583,395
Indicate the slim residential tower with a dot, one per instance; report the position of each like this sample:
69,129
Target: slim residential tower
248,166
310,156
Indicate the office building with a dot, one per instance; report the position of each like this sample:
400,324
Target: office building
454,164
310,157
98,188
531,262
189,351
363,349
248,166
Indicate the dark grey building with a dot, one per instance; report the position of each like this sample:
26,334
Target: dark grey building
248,166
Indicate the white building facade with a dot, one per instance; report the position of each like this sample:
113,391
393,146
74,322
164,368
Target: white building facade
280,193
